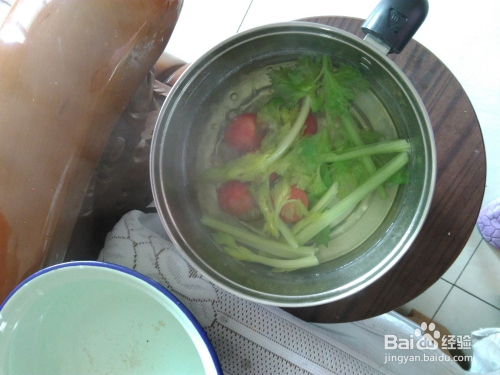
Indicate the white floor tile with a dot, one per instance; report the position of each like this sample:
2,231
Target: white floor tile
269,11
458,266
462,313
481,276
428,302
203,24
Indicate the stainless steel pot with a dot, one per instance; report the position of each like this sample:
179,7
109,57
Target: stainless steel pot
185,131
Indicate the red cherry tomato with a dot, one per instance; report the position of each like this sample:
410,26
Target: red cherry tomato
242,134
289,212
311,125
235,199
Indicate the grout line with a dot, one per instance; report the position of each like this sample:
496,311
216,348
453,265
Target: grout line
482,300
239,27
468,261
444,299
448,282
454,284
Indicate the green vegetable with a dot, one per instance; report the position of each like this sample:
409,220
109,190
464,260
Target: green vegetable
351,128
242,253
338,163
401,177
323,237
388,147
292,83
331,89
287,233
338,88
281,196
286,143
352,199
276,114
317,208
349,174
326,199
262,192
312,148
272,247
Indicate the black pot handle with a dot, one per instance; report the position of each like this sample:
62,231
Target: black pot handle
394,22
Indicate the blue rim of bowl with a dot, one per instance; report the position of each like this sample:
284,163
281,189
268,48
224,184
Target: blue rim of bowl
140,276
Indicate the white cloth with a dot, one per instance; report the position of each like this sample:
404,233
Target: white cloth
486,351
250,338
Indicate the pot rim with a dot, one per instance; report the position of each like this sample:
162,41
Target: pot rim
169,222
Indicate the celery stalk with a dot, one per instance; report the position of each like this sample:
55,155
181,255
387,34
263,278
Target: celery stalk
283,264
326,198
352,130
388,147
318,207
287,234
290,137
269,246
280,197
382,175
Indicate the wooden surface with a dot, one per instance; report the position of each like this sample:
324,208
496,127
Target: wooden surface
461,177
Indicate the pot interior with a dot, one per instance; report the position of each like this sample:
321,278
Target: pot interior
368,240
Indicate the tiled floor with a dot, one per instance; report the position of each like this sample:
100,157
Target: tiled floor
467,297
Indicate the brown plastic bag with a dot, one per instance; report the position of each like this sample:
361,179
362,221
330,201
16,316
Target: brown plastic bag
67,71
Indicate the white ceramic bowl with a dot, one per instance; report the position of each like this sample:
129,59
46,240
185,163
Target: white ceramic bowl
99,318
